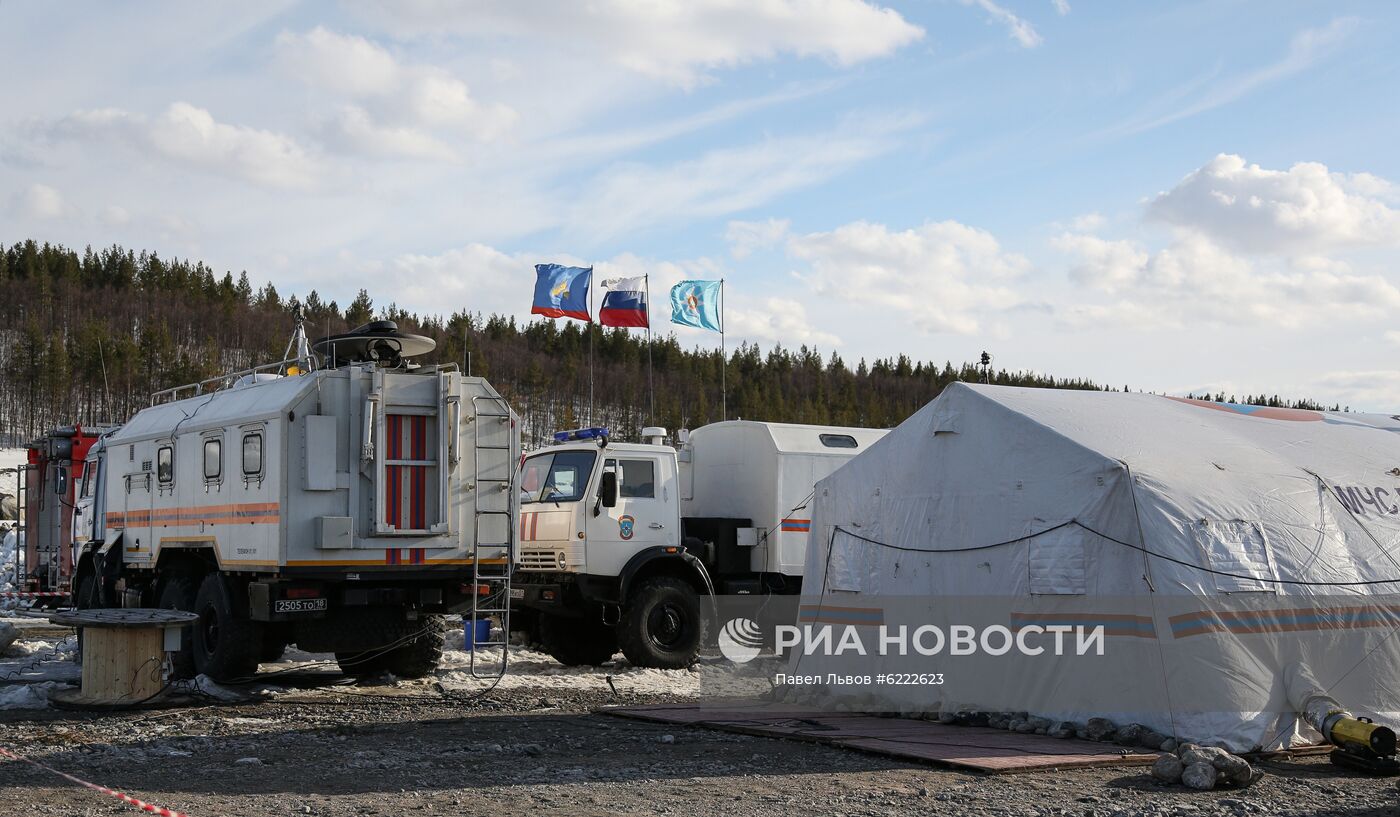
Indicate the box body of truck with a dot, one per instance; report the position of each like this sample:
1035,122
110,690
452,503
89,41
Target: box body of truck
340,507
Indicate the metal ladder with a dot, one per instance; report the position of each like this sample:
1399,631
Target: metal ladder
493,418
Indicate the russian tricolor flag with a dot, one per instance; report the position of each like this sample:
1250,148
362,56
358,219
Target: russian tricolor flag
625,303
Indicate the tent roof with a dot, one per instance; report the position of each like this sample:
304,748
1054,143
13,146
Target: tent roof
1160,432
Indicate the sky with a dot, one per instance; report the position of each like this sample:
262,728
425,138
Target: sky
1174,197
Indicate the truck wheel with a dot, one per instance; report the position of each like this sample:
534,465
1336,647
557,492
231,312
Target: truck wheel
419,657
577,641
226,642
662,626
413,659
178,593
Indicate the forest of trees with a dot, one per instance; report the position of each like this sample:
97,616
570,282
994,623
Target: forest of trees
89,335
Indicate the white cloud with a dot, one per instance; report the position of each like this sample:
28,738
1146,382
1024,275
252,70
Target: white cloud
1101,263
1088,223
725,180
115,216
1061,7
1393,336
40,201
744,237
482,276
1194,280
352,130
777,320
1018,29
1305,208
1366,390
940,277
344,64
397,104
191,136
676,41
1306,49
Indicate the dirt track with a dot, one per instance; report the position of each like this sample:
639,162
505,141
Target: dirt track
367,750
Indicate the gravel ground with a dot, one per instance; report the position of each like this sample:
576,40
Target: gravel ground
392,748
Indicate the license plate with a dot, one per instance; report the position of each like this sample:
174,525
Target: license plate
298,605
517,592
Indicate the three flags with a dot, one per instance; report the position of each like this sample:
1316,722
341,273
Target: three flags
562,292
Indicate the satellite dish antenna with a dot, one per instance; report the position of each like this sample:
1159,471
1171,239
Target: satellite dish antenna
378,342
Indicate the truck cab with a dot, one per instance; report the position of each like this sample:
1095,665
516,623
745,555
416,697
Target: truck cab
601,544
624,545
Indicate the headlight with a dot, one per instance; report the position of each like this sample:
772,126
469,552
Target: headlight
562,560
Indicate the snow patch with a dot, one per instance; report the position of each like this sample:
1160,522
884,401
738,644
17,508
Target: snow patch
26,696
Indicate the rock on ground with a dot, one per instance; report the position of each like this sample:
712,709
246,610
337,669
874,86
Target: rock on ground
1168,769
1200,776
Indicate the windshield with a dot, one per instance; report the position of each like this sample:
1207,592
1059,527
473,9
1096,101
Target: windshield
555,477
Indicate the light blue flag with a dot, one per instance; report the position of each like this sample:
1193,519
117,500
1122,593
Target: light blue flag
696,303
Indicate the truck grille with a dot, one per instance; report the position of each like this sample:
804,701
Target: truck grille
537,560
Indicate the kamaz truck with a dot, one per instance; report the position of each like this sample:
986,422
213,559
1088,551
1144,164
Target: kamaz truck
344,501
622,545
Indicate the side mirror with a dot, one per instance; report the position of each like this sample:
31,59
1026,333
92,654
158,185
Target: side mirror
607,490
60,481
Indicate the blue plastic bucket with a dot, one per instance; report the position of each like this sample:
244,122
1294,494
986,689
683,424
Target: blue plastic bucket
475,633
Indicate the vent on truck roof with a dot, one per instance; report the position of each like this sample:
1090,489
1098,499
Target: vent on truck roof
376,342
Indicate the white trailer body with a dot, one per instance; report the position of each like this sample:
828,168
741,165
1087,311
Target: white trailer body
765,472
348,468
343,509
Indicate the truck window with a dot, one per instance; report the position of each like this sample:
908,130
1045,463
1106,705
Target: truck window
838,441
555,477
638,479
213,459
252,454
165,465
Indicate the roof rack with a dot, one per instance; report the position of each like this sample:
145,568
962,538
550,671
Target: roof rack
220,382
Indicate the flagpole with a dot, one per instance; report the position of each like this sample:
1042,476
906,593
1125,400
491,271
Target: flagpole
723,360
651,382
589,327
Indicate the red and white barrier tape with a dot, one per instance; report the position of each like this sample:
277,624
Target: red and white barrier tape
47,594
125,798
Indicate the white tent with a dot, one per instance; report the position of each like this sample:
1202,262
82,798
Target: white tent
1188,528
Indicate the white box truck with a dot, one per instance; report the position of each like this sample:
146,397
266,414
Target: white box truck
344,507
621,543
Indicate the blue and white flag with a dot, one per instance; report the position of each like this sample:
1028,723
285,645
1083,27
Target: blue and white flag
696,303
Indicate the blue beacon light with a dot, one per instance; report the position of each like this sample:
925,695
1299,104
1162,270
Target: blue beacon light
581,434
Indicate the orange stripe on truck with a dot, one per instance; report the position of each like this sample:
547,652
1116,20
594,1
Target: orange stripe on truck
248,513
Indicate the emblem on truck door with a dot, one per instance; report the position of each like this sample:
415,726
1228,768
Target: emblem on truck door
625,526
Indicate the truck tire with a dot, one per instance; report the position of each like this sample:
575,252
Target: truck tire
412,659
419,657
577,642
662,624
177,593
226,642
